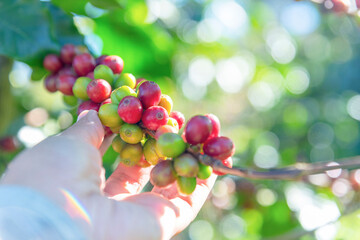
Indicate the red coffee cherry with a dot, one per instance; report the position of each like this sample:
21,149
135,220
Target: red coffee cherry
114,62
98,90
215,122
50,83
219,147
67,53
149,94
163,174
154,117
198,129
83,64
65,84
130,109
88,105
179,117
52,63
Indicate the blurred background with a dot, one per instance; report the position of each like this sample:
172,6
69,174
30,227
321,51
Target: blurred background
282,76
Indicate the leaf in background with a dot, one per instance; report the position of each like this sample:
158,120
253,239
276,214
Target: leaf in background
29,29
62,26
73,6
108,4
145,50
25,30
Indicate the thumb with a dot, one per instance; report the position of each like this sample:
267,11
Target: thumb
88,128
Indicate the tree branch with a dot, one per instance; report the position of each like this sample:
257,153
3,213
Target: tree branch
292,172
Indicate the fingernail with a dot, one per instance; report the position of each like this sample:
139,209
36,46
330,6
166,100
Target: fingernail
82,114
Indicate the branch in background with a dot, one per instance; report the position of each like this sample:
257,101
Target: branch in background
292,172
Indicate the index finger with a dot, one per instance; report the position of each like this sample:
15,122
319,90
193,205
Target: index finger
88,129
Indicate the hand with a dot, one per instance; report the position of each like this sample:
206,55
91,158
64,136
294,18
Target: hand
67,168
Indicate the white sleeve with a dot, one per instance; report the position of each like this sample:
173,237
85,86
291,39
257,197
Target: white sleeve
26,214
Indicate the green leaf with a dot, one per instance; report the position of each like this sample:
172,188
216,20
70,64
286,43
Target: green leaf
62,26
108,4
144,49
30,29
77,6
24,30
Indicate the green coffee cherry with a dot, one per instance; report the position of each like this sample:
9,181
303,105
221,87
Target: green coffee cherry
131,154
80,86
109,116
186,165
152,154
118,94
71,101
131,133
186,185
125,79
171,145
118,144
104,72
204,171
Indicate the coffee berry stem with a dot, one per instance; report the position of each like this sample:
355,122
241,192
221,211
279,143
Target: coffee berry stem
292,172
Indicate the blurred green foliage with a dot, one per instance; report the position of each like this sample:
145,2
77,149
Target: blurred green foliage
281,75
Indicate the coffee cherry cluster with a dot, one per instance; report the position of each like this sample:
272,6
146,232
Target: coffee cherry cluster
142,117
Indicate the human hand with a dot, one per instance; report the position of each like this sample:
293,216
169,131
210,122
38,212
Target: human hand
67,168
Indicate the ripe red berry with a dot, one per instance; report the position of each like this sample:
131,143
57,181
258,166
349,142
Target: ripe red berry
98,90
114,62
67,71
90,75
140,80
198,129
50,83
88,105
149,94
219,147
179,117
67,53
154,117
106,101
215,122
83,64
130,109
52,63
9,144
100,59
65,84
227,162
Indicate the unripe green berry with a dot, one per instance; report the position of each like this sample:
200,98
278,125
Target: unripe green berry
131,154
104,72
80,86
109,116
151,153
186,165
118,94
171,145
118,144
125,79
204,171
131,133
186,185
